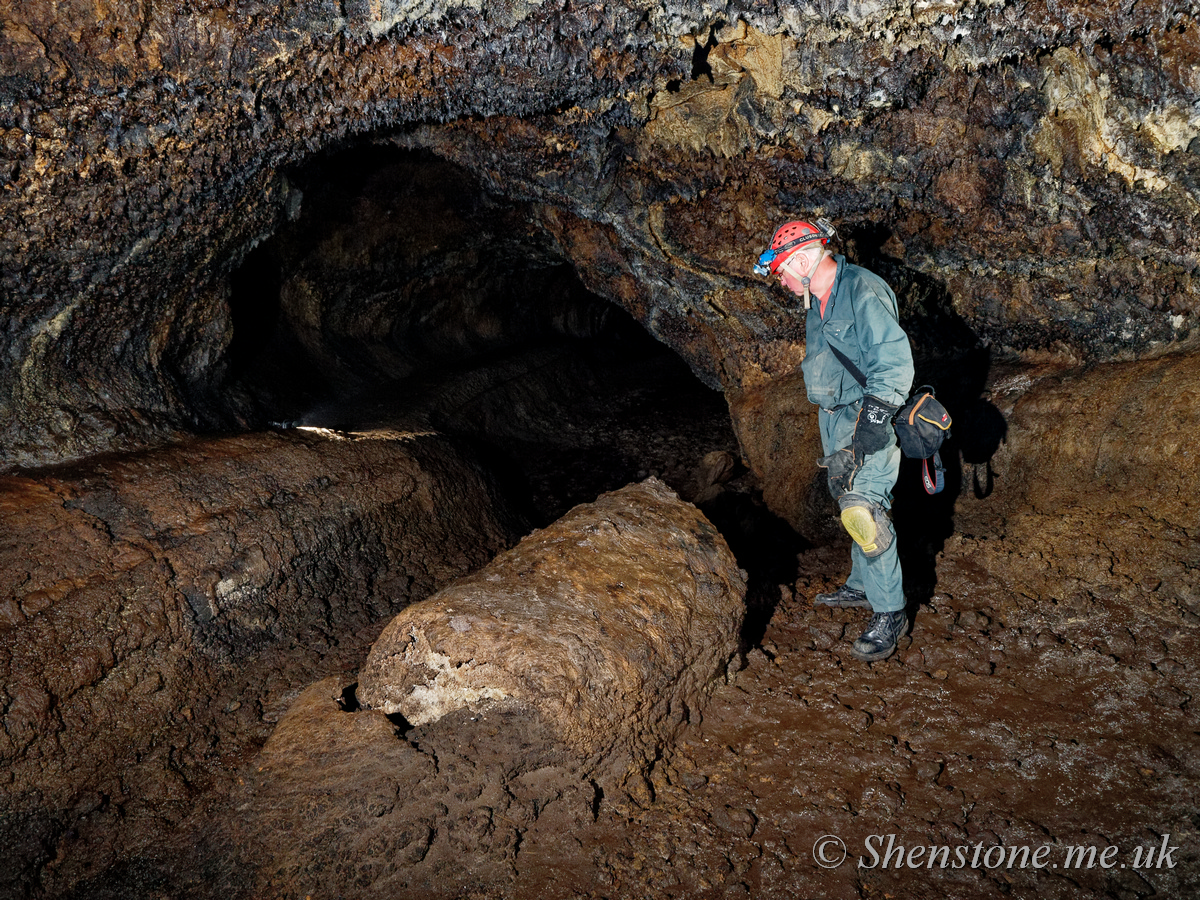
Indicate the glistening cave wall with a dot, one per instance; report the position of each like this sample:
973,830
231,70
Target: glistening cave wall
1026,169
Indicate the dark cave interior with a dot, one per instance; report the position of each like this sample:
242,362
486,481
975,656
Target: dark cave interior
404,297
401,300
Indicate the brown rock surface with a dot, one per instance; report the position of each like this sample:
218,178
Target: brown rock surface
160,610
777,430
1044,699
611,625
1018,716
1124,431
344,804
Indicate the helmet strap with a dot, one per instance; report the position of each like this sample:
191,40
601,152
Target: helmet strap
806,280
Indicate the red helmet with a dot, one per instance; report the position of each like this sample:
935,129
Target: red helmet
790,237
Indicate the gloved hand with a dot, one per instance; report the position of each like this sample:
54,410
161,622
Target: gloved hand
873,430
843,465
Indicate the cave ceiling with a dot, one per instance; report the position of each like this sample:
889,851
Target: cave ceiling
1029,171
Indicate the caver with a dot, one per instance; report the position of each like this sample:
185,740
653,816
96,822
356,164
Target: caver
854,320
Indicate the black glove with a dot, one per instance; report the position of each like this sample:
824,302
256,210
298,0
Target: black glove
873,431
843,465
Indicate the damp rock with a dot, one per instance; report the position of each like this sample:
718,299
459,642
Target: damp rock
612,624
353,804
170,602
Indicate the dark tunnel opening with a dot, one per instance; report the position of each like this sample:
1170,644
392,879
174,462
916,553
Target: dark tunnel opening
405,298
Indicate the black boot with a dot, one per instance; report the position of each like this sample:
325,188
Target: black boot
843,597
879,640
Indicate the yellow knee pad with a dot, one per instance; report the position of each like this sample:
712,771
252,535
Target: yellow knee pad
867,523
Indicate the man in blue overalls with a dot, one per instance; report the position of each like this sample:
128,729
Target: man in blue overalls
858,369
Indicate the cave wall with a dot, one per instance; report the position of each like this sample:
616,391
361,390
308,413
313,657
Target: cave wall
160,610
1027,169
1025,172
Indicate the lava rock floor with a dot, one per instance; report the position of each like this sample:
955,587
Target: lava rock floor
1043,701
1042,705
1003,721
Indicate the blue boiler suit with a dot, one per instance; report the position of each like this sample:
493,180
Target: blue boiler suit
862,320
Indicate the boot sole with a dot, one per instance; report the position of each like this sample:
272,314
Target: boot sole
873,656
844,604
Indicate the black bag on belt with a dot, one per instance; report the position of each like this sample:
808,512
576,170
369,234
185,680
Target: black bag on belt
921,424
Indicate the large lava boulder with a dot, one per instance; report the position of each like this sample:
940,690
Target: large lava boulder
611,625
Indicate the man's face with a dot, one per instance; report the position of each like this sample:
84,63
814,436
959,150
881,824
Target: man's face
799,265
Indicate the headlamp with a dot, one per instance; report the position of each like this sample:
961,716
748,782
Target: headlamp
763,266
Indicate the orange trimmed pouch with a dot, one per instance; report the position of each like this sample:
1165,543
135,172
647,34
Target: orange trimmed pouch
922,424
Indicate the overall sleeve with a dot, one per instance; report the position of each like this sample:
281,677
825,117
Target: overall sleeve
884,344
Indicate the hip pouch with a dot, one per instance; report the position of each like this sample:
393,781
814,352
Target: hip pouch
922,424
